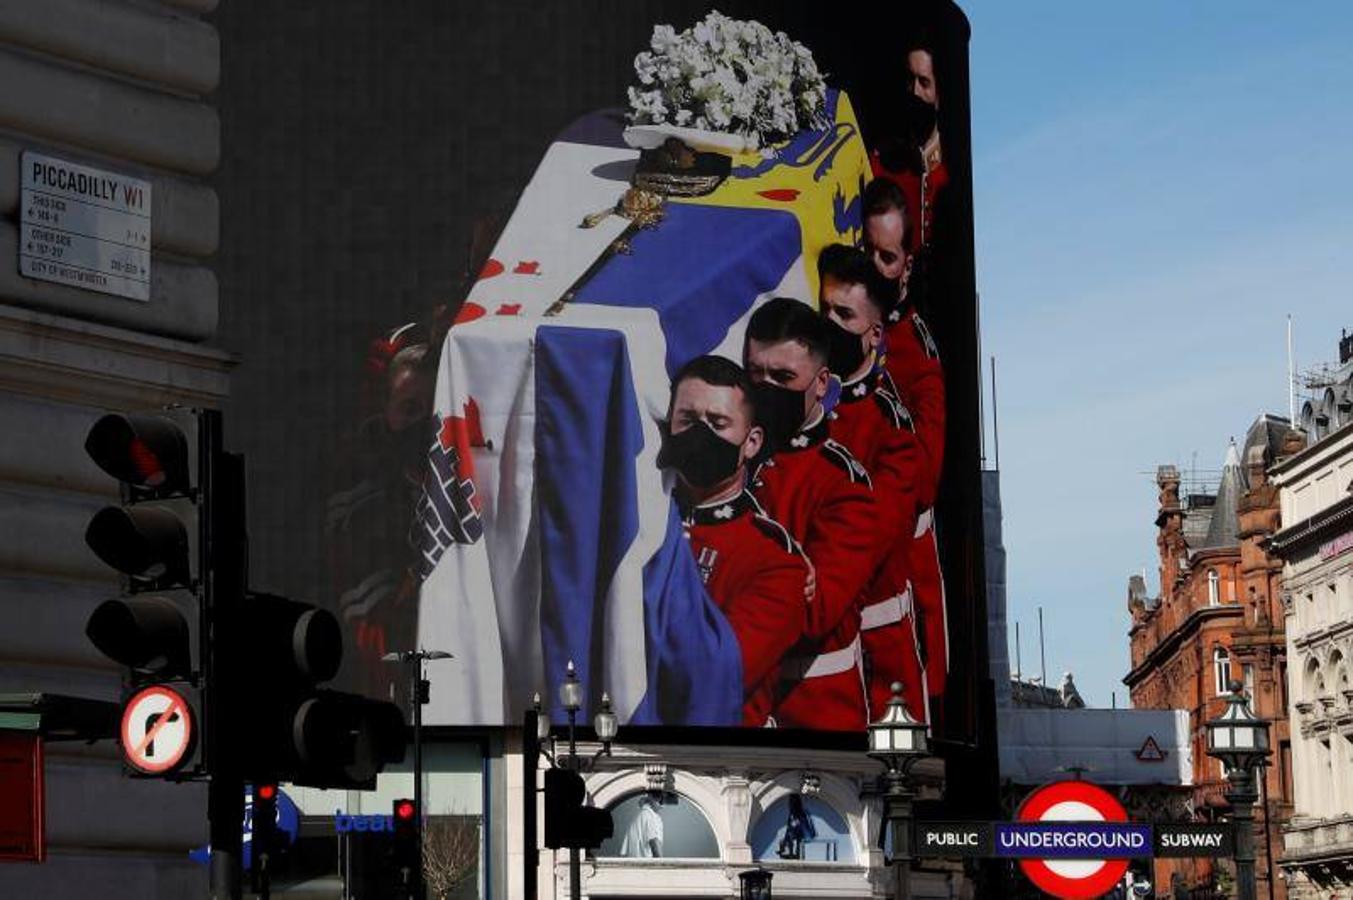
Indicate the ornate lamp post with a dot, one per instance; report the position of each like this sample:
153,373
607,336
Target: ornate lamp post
604,723
899,742
755,884
1240,740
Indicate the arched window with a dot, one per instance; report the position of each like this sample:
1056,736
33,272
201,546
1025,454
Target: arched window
649,826
1221,670
803,828
1213,587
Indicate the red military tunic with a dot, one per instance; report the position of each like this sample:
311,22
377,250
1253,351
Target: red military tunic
822,495
877,429
921,190
755,573
913,364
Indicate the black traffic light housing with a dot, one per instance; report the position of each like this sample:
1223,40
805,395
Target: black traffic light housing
263,824
407,819
145,540
260,658
148,635
568,823
302,733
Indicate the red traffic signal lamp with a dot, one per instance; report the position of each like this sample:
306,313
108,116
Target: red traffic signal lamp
147,454
263,822
407,854
568,823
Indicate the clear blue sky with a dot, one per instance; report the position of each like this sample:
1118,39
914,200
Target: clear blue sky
1157,185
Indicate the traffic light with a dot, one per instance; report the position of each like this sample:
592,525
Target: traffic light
263,822
404,842
145,539
302,733
568,823
263,657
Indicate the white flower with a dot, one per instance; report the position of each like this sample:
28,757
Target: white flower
728,75
664,37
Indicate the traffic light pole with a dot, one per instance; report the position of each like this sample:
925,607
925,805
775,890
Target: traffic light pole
418,699
419,695
223,555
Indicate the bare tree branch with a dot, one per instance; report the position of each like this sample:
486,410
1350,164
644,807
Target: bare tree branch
450,853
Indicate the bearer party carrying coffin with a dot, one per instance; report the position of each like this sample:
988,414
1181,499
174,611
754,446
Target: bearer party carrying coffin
548,533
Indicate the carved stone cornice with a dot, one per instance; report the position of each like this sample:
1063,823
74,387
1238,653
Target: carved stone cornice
72,361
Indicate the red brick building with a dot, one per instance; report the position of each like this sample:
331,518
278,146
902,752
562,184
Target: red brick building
1219,617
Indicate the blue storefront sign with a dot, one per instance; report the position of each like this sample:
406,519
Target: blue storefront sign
344,823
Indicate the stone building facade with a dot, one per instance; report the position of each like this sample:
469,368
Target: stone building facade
1218,617
729,809
1316,547
123,89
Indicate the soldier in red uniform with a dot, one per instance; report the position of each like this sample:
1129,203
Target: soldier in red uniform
913,158
871,421
910,354
822,494
751,567
917,378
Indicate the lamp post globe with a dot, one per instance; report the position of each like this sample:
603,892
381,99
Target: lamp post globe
1238,737
571,691
1240,740
543,723
605,722
896,739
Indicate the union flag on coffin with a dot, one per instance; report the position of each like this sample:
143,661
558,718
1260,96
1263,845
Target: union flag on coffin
448,510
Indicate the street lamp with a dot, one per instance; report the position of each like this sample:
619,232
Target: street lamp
899,742
604,723
1240,740
755,884
420,693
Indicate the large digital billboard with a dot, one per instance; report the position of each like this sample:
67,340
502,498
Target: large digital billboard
700,415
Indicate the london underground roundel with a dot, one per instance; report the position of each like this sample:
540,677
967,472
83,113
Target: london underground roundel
1073,801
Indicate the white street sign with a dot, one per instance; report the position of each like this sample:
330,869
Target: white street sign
84,227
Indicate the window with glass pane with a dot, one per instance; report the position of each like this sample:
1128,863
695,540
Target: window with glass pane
659,825
1221,670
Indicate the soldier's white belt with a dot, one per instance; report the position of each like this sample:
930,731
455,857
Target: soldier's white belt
924,522
833,662
886,612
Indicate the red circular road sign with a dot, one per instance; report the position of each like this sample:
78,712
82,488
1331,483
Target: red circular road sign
1073,801
157,730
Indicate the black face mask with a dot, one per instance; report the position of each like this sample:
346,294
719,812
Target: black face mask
701,457
845,351
918,119
779,412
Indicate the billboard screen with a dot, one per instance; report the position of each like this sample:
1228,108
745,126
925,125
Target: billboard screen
642,340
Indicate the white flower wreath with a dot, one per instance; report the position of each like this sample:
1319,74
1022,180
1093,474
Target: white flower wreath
731,76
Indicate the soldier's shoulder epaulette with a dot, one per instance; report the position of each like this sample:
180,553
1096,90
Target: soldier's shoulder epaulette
893,410
776,532
843,459
923,335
